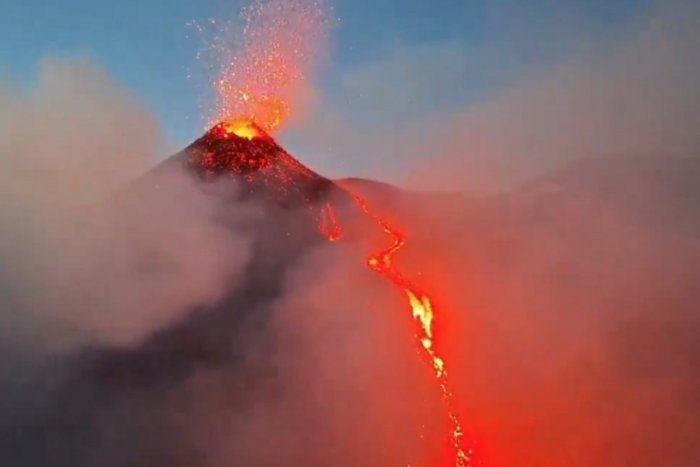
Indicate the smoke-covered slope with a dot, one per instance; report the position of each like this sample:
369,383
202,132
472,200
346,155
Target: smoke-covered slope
564,235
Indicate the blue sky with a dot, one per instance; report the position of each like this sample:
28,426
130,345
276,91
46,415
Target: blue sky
484,45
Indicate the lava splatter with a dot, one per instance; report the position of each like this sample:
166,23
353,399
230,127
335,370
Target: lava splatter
263,66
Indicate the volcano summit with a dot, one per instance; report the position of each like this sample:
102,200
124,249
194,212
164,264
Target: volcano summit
241,149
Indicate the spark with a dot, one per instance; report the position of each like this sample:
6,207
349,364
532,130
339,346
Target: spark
263,65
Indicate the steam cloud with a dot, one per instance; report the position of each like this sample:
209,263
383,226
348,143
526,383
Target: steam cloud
568,306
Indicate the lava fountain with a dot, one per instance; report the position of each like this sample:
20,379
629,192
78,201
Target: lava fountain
263,66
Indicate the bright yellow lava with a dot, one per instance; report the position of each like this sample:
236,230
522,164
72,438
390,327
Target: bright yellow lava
241,128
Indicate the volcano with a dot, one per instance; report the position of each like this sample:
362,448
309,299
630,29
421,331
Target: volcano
238,168
242,151
235,166
242,155
139,406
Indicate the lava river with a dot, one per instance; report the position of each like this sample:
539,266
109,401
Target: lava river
419,302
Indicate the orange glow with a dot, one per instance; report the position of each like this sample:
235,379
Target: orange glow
264,65
423,312
241,128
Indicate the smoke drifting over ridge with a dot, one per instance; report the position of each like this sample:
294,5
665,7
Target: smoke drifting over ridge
71,234
628,94
571,311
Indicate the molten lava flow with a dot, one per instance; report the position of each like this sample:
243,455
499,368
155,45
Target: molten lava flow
423,312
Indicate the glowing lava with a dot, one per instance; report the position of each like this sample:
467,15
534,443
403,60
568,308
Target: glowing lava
422,310
241,128
240,148
263,69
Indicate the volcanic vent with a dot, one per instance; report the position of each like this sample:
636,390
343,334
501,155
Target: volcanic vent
242,150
